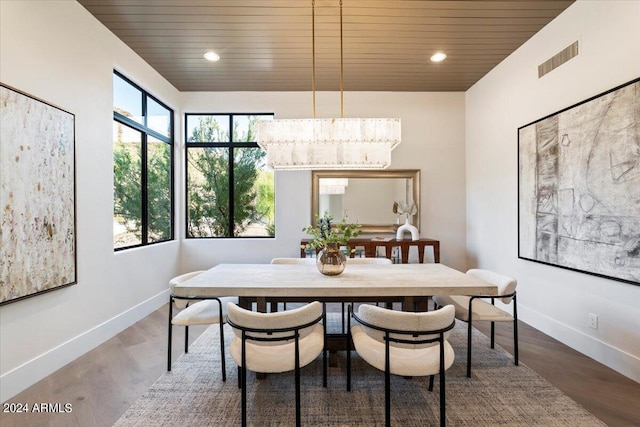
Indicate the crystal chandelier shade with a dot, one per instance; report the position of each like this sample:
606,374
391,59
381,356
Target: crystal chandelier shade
329,143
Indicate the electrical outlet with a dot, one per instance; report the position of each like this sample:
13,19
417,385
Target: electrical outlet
593,321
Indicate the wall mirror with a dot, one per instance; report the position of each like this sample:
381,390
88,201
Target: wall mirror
366,196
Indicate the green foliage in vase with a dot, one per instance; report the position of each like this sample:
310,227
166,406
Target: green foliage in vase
327,232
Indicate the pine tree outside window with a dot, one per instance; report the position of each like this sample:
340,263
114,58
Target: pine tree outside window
142,167
230,190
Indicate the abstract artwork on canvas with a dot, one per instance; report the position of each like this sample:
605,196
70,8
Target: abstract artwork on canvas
579,186
37,196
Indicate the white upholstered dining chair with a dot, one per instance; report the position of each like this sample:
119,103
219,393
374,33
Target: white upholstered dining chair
403,343
277,342
371,260
310,261
365,261
474,309
201,312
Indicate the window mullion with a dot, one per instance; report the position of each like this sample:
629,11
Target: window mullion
231,179
145,191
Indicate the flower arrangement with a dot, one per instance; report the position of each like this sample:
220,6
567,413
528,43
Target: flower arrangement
326,232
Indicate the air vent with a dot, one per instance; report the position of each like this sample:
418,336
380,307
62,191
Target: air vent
558,59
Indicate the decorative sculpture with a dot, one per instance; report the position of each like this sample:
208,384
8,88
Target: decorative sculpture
402,208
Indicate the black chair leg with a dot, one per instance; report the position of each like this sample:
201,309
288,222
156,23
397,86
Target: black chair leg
349,348
387,398
430,382
169,334
298,418
324,368
387,382
297,377
493,334
244,397
515,341
222,358
324,345
243,370
515,329
186,339
443,406
469,350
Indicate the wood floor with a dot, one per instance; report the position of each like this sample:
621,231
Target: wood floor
103,383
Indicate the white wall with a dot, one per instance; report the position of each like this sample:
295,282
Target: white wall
432,140
551,299
56,51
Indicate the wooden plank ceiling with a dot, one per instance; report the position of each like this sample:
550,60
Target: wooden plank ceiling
265,45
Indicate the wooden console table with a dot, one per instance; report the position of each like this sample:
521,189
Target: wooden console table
370,247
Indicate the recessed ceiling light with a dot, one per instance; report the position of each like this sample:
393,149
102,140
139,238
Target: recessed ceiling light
211,56
438,57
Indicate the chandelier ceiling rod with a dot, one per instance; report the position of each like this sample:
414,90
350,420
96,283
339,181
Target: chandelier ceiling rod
313,53
341,68
313,60
328,143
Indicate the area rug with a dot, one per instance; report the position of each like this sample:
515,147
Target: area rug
498,393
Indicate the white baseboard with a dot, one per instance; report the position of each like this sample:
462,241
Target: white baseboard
625,363
27,374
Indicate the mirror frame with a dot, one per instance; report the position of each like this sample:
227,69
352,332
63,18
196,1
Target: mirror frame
413,174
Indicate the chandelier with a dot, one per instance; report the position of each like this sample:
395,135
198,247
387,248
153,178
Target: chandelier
329,143
331,186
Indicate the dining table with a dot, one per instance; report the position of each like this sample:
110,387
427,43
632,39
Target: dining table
410,284
263,284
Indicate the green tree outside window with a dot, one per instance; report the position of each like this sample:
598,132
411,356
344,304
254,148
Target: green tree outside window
212,158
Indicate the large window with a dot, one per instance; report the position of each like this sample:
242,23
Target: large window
230,190
142,166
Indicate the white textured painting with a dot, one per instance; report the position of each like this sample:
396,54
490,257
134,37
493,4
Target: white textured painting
37,196
579,186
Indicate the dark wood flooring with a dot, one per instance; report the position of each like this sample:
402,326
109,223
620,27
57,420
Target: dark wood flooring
103,383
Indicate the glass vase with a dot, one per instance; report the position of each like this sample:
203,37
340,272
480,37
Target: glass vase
331,260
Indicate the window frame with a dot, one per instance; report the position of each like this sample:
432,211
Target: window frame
146,131
229,145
